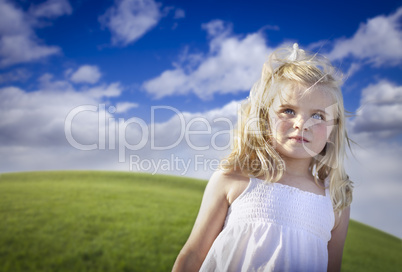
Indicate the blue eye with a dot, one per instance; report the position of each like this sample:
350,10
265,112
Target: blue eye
318,116
289,111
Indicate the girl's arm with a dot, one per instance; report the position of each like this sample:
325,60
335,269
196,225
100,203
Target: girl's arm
338,237
207,226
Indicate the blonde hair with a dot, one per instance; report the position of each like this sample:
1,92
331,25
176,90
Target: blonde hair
253,150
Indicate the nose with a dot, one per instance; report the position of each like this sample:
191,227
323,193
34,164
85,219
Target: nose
300,123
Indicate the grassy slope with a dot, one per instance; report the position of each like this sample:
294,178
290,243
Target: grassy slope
110,221
369,249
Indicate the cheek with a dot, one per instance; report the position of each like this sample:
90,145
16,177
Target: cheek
322,132
280,127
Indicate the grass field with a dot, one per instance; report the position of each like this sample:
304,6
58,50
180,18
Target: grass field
112,221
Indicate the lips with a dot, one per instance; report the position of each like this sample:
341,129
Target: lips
299,139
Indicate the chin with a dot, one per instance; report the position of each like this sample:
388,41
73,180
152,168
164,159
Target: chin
300,153
297,155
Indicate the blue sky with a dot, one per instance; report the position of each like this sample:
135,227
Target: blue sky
70,69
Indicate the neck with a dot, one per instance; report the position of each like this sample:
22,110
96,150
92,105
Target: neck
297,167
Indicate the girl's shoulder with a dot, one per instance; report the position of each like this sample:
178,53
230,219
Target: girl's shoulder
233,183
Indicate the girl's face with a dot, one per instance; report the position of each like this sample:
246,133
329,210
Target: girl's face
301,124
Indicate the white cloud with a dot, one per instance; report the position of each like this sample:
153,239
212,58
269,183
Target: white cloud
12,19
32,131
380,111
217,28
19,74
376,173
375,169
179,14
166,132
18,42
232,65
383,92
47,83
354,67
35,120
125,106
111,90
129,20
86,74
22,48
378,41
51,9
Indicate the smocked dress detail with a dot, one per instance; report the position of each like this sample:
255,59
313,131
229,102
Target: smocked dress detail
273,227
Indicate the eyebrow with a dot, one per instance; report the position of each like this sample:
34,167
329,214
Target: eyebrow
292,106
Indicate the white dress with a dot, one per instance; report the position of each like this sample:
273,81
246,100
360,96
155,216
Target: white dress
273,227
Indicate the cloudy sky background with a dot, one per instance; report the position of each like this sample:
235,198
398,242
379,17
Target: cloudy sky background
139,85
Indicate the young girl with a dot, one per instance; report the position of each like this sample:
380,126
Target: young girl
280,201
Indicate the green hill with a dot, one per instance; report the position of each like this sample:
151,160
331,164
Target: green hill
113,221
